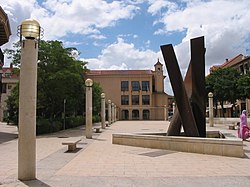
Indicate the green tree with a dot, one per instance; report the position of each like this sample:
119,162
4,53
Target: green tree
12,104
60,77
244,86
97,90
223,83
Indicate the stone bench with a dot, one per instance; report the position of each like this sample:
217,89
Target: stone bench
107,124
71,144
233,126
97,129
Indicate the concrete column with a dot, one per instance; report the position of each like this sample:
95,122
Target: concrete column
115,118
109,111
165,112
112,113
27,111
103,110
88,129
211,109
173,107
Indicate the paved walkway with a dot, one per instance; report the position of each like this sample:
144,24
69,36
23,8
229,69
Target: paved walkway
98,162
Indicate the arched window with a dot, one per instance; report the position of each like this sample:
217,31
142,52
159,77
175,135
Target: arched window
135,114
146,114
125,115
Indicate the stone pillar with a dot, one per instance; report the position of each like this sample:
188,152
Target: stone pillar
211,109
165,112
115,118
103,110
27,111
173,107
112,113
89,131
109,111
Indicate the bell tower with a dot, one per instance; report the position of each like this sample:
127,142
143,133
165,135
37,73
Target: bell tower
158,77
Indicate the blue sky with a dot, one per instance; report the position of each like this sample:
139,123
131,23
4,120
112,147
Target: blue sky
127,34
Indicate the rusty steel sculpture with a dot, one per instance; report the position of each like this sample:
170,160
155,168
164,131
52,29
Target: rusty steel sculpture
190,93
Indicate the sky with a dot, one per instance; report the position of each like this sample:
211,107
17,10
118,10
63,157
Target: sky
127,34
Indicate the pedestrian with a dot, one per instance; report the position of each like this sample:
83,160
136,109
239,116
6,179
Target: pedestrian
243,131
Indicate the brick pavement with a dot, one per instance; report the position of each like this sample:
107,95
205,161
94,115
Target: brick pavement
100,163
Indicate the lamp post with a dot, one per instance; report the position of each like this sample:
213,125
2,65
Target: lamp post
115,113
88,84
109,111
64,115
112,112
30,30
165,112
173,107
103,109
211,109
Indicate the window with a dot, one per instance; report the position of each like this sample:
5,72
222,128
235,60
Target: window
146,100
241,70
9,87
145,114
125,115
135,114
135,99
145,86
4,85
124,100
7,74
124,85
135,85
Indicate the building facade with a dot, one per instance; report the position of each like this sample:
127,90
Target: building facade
242,64
5,33
9,81
137,94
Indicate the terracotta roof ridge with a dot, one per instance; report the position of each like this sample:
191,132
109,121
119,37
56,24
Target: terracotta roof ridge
227,62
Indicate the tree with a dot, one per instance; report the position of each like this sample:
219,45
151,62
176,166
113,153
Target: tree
60,77
223,84
97,91
244,86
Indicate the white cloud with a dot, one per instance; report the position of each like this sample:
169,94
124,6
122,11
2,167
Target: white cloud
224,24
62,17
156,6
97,36
125,55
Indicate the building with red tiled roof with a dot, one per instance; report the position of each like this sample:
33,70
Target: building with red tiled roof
138,94
242,64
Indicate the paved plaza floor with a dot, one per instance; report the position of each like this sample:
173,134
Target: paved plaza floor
99,163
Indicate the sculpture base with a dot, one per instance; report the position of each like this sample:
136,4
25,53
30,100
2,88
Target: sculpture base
216,143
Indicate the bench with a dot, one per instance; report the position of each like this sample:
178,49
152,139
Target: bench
233,126
97,129
71,144
107,124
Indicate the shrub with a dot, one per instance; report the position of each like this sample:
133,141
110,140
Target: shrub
42,126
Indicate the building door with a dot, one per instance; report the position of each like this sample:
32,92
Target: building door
125,115
135,115
145,114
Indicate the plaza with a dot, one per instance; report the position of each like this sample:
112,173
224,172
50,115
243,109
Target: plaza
98,162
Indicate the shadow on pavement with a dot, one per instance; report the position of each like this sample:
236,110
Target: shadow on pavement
5,137
75,151
35,183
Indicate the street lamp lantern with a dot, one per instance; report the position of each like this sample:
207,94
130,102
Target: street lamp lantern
30,29
210,94
88,82
103,95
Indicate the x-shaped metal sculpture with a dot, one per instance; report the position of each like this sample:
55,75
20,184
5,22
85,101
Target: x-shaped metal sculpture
190,94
